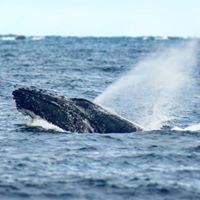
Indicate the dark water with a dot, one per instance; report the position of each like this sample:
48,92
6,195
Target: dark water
44,164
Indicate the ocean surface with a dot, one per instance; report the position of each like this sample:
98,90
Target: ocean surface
153,81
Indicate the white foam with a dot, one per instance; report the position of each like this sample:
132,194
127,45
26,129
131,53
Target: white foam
153,92
192,128
37,37
39,122
162,38
8,38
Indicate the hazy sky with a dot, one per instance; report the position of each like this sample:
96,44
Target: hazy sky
100,17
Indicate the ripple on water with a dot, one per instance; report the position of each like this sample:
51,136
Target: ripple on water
44,164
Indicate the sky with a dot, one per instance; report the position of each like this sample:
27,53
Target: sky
100,17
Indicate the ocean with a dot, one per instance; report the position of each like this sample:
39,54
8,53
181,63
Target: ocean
153,81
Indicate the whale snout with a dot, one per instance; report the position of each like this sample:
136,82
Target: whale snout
18,97
24,98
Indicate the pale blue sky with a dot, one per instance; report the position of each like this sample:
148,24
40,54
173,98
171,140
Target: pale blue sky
100,17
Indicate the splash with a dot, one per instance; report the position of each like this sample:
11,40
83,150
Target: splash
194,127
153,92
39,122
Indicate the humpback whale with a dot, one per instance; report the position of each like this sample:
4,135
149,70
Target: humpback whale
75,115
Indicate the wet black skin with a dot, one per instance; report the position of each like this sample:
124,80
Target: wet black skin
73,114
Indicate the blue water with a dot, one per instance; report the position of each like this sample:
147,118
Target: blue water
152,81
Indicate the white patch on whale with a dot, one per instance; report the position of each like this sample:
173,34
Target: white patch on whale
37,121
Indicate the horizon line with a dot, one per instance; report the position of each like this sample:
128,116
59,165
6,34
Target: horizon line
107,36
